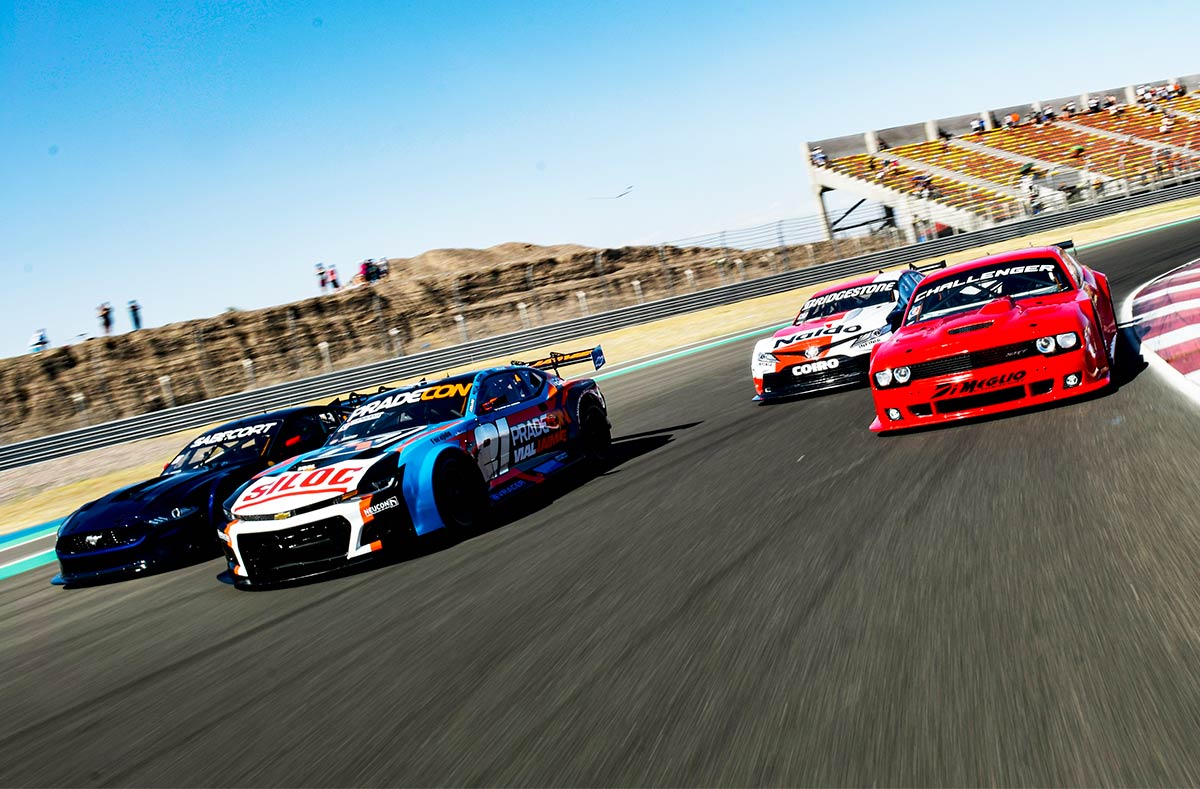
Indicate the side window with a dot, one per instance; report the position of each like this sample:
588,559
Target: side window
535,382
1075,269
299,435
908,283
504,389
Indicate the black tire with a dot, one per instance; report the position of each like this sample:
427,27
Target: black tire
595,434
459,492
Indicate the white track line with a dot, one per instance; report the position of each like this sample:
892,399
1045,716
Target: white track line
1184,384
1179,306
1168,291
1178,336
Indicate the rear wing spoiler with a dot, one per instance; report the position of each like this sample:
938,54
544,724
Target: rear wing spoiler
1065,246
355,399
929,267
556,360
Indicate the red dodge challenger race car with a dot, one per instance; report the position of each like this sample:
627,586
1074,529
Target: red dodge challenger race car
990,335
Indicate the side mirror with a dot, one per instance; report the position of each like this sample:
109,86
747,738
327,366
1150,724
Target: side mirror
895,317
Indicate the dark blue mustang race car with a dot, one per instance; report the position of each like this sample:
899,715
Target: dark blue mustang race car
414,460
169,520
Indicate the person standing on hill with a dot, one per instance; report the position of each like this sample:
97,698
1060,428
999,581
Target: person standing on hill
106,320
321,276
135,314
333,278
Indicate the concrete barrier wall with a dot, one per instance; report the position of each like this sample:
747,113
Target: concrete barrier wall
842,146
958,124
903,135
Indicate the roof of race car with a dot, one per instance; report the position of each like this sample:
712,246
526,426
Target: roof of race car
1012,256
884,276
279,414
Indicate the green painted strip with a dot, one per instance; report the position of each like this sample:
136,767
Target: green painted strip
28,563
28,535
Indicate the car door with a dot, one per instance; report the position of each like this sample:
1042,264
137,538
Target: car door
503,401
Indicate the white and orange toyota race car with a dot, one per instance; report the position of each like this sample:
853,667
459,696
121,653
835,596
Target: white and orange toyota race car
829,344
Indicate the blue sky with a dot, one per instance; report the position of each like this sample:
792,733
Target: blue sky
200,155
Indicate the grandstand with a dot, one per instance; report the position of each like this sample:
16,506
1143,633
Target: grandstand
973,171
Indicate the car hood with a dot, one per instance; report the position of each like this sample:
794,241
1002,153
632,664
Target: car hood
834,332
324,474
134,504
998,322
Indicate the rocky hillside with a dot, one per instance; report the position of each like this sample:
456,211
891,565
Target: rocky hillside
412,310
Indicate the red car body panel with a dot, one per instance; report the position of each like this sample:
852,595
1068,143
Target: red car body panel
984,360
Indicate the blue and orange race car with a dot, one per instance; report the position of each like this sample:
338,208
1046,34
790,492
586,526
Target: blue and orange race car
414,460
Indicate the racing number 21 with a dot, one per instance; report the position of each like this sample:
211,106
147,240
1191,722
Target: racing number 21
494,444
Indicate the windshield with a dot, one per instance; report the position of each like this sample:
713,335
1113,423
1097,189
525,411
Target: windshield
847,299
976,287
405,410
222,447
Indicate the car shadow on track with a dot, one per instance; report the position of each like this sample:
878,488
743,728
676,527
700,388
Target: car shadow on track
182,563
624,449
1128,365
800,397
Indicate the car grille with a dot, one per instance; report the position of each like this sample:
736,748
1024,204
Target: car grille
952,405
965,362
850,370
276,552
100,540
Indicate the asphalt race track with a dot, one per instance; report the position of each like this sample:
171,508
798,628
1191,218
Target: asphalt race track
752,595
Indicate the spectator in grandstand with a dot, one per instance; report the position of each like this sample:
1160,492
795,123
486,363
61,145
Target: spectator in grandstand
104,311
1093,104
1178,90
1115,109
1068,109
331,275
1098,187
819,159
1012,121
883,144
1141,94
39,341
978,126
1047,115
321,276
1167,123
135,314
1077,151
1110,100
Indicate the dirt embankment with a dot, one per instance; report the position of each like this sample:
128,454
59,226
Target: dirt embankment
494,290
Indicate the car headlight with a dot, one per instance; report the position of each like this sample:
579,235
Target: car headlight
384,475
883,377
177,514
766,358
1067,340
1045,344
902,375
